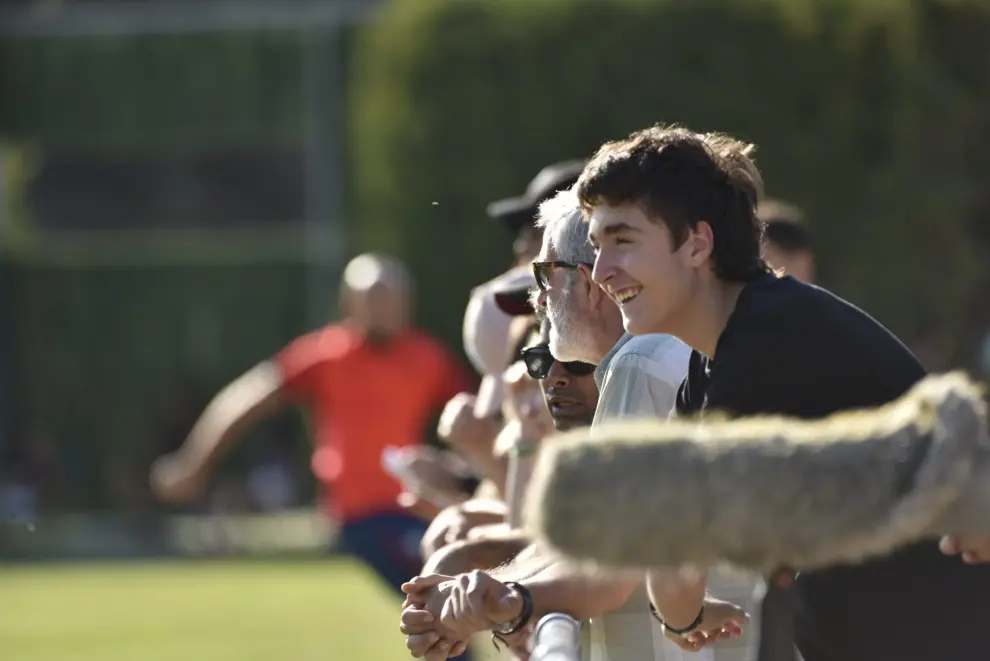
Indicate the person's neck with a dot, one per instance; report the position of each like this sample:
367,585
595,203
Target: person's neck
708,315
607,335
375,338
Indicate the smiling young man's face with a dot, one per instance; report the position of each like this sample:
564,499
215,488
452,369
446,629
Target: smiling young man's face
639,268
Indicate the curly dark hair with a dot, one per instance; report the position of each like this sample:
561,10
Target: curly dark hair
680,178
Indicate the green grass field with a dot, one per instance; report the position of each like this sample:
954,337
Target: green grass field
330,610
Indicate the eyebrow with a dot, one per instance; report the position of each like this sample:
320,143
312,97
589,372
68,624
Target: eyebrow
612,229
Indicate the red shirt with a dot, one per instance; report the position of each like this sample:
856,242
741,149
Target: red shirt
364,398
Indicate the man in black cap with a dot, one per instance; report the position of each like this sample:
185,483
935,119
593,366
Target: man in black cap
486,327
788,242
518,213
470,423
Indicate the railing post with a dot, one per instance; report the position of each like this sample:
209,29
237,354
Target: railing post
557,638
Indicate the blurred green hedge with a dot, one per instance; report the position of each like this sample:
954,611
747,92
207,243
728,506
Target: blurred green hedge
161,93
113,360
869,115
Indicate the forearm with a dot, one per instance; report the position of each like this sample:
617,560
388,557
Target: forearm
520,468
489,467
677,596
211,438
478,511
234,410
468,555
557,586
561,589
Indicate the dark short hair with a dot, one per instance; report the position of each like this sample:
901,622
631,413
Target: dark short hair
681,178
784,226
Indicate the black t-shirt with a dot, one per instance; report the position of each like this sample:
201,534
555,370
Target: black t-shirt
795,349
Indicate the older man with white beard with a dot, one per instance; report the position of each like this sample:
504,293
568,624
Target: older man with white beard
637,377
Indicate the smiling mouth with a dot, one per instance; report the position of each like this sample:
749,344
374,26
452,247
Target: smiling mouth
627,294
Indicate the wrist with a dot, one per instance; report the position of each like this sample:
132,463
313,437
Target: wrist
675,627
523,447
521,618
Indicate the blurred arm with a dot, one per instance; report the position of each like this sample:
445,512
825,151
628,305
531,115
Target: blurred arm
677,596
453,523
473,437
467,555
237,408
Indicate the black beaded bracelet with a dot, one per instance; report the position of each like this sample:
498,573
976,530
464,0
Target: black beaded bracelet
527,610
680,632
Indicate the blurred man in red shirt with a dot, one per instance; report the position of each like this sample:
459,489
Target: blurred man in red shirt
370,382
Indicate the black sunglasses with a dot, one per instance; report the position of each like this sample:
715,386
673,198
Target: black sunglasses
539,361
542,271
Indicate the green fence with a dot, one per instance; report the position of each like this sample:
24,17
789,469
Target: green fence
110,345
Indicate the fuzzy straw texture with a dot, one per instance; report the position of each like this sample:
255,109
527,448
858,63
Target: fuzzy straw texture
762,492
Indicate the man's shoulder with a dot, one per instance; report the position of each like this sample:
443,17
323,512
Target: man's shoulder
799,350
783,315
770,298
319,348
654,345
786,317
643,377
330,341
776,304
661,354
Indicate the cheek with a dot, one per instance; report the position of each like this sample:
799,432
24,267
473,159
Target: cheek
590,395
636,264
666,284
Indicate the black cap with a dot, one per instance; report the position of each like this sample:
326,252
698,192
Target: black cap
784,225
518,212
514,301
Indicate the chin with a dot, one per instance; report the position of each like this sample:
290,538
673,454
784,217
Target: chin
634,325
567,424
640,323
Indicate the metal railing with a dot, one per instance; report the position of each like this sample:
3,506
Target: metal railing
557,638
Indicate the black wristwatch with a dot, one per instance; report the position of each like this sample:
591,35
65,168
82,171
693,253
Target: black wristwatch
514,627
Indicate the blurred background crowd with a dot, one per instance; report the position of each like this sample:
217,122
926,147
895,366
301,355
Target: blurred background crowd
182,183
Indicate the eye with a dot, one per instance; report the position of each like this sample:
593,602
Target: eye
620,241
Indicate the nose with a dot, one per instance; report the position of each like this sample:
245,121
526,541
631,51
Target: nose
559,377
541,299
603,268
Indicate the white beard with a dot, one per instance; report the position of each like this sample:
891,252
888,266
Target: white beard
570,338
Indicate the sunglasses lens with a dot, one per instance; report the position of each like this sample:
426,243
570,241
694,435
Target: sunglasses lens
577,368
538,362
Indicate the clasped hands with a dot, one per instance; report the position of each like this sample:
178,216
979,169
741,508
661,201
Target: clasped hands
441,613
